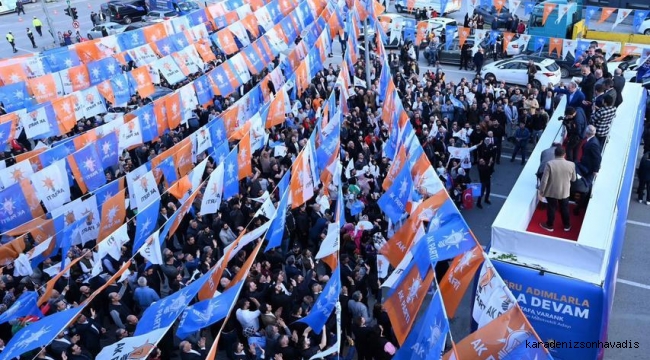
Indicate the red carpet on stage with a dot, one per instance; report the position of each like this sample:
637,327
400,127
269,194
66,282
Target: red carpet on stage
540,216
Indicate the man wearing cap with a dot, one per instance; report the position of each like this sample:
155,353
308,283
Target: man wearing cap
38,25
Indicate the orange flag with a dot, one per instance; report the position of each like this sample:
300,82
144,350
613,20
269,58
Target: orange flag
84,139
183,157
463,34
507,38
65,114
227,41
395,167
555,45
245,166
144,84
79,77
251,24
203,48
10,251
410,5
247,265
301,184
458,277
181,187
607,12
32,199
113,215
173,110
211,285
11,74
43,88
278,109
88,51
548,9
161,115
421,31
496,339
155,32
405,301
498,4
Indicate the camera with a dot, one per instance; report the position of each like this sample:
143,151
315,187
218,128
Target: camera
561,118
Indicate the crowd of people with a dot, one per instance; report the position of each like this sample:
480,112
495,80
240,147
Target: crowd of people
461,126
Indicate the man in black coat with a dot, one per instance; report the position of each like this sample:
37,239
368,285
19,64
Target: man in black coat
485,171
479,58
619,84
589,163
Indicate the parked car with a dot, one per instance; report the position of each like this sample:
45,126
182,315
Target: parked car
156,16
644,28
124,12
111,28
187,7
629,68
489,12
515,71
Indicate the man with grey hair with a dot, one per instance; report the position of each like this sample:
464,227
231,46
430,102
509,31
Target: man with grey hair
575,97
357,308
144,296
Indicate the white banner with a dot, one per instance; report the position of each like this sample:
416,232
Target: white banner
331,243
15,173
493,298
135,347
130,135
112,244
52,186
145,190
151,249
88,211
169,69
92,101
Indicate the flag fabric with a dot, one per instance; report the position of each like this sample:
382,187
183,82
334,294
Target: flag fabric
107,191
639,17
145,190
590,11
150,251
24,306
427,339
393,201
37,122
107,149
87,169
449,239
244,152
331,243
458,277
14,208
231,182
130,135
302,183
89,214
13,96
134,347
148,124
8,127
112,244
145,222
113,214
492,297
325,303
203,90
164,313
16,173
207,312
404,303
39,333
213,191
498,338
51,185
275,233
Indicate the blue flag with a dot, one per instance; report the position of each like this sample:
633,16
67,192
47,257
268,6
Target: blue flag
5,132
639,17
325,303
13,96
393,201
449,36
71,232
203,90
107,148
39,333
582,46
122,89
220,151
476,189
106,192
166,46
180,41
24,306
254,59
450,239
148,123
60,59
146,222
421,258
168,170
89,168
231,176
275,233
540,42
590,12
97,70
284,182
196,17
207,312
131,39
427,338
14,209
222,79
328,142
163,313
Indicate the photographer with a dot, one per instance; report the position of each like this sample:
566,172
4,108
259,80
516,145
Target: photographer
575,123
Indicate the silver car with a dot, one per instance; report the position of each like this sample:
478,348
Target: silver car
157,16
111,28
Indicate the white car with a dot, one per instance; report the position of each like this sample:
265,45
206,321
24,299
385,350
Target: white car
644,28
111,28
628,67
157,16
515,71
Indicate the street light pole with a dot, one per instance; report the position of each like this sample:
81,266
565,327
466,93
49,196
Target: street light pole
366,44
50,23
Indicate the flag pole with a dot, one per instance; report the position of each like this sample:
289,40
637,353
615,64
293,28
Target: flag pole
366,44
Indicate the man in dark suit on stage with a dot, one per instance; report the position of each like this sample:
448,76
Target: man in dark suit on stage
589,163
575,97
619,84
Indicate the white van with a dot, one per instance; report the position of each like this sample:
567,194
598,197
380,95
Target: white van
452,5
